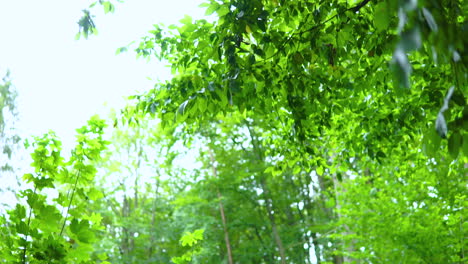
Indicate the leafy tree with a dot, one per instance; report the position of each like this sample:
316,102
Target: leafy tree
342,92
328,132
140,186
189,239
59,230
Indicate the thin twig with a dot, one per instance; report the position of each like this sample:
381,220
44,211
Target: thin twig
353,9
27,231
71,200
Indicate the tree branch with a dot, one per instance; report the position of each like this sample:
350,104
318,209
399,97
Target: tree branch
359,6
353,9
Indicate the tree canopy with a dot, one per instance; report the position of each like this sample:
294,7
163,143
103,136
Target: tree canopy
324,132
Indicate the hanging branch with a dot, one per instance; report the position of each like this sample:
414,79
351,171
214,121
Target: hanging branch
281,48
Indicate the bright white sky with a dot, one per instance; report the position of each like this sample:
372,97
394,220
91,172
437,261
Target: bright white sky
61,81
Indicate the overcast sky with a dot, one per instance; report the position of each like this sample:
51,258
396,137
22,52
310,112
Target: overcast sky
62,81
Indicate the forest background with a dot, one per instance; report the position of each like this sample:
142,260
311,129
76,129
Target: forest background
317,132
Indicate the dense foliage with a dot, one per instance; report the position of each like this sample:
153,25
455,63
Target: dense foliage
357,114
291,132
54,225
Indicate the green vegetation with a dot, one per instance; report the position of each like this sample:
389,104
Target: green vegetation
316,132
8,116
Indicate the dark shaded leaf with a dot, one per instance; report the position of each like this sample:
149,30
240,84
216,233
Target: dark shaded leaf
411,40
381,16
401,68
430,19
465,144
454,144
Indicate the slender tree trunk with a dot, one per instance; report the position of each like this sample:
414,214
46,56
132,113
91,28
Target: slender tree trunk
308,209
135,187
340,258
316,247
153,220
221,210
139,150
266,192
274,228
324,184
125,236
350,247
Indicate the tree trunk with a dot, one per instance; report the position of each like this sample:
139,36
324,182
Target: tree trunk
124,246
274,228
324,184
267,195
221,210
153,220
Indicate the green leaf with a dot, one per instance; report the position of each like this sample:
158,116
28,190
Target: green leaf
44,182
222,10
319,170
20,211
401,68
202,105
187,20
94,194
108,7
465,144
381,16
213,7
22,228
454,144
431,142
297,170
120,50
102,256
28,177
189,239
50,214
411,40
82,230
74,226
